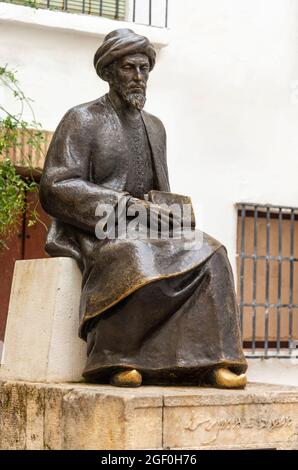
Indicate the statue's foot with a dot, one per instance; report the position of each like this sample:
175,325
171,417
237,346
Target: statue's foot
224,378
127,378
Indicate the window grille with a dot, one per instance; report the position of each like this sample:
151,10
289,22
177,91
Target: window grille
113,9
267,264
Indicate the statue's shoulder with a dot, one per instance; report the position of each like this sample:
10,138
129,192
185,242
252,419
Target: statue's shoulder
83,113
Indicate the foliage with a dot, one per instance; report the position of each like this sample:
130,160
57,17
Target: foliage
13,187
31,3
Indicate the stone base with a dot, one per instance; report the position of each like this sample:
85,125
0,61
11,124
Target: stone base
83,416
273,371
41,339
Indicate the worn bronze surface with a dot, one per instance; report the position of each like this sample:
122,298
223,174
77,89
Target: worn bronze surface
127,378
103,152
224,378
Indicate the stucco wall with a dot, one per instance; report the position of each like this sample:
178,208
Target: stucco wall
229,106
224,87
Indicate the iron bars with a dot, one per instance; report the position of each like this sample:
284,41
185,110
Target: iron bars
267,262
148,12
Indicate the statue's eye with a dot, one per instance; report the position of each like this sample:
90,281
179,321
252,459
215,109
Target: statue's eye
126,67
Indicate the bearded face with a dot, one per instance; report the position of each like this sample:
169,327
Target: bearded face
128,77
137,100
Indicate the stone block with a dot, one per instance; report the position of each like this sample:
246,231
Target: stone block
102,417
41,338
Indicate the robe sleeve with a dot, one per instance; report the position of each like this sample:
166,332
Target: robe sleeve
66,192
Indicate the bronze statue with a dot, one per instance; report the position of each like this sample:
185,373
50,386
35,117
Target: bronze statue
152,311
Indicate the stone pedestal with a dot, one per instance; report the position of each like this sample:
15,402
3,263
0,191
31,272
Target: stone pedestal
273,370
41,338
81,416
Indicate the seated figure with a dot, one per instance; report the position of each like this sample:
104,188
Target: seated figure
152,310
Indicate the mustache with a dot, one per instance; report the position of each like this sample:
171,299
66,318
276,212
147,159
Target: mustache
137,86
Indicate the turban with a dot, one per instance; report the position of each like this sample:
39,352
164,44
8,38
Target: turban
119,43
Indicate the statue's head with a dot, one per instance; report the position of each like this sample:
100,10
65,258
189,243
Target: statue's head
124,60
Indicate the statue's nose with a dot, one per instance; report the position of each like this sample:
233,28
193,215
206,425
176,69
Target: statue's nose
138,74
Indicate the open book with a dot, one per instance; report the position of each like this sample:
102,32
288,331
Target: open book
163,197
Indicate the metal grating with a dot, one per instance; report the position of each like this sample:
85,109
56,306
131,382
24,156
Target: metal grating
113,9
268,279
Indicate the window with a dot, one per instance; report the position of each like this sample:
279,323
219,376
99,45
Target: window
147,12
113,9
267,265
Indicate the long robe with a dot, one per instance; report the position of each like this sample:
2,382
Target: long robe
89,162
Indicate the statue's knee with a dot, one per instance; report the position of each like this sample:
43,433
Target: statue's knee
220,262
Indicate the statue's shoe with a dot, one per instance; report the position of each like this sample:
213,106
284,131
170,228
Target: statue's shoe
127,378
224,378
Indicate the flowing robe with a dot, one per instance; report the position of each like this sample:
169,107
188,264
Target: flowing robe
141,283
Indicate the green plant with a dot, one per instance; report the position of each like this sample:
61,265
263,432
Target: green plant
31,3
13,187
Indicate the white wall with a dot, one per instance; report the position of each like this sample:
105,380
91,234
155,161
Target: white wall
54,67
223,87
273,371
226,92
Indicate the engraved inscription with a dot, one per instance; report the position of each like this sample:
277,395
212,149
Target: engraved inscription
215,426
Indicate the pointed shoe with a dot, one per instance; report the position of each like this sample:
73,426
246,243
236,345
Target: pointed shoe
126,378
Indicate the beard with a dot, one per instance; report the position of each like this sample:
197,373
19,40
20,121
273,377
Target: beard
137,100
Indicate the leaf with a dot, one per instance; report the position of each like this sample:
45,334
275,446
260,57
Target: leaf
14,130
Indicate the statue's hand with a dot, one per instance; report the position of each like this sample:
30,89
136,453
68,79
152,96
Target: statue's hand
162,214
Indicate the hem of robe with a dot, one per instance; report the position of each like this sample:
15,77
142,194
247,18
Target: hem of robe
136,287
196,331
177,375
